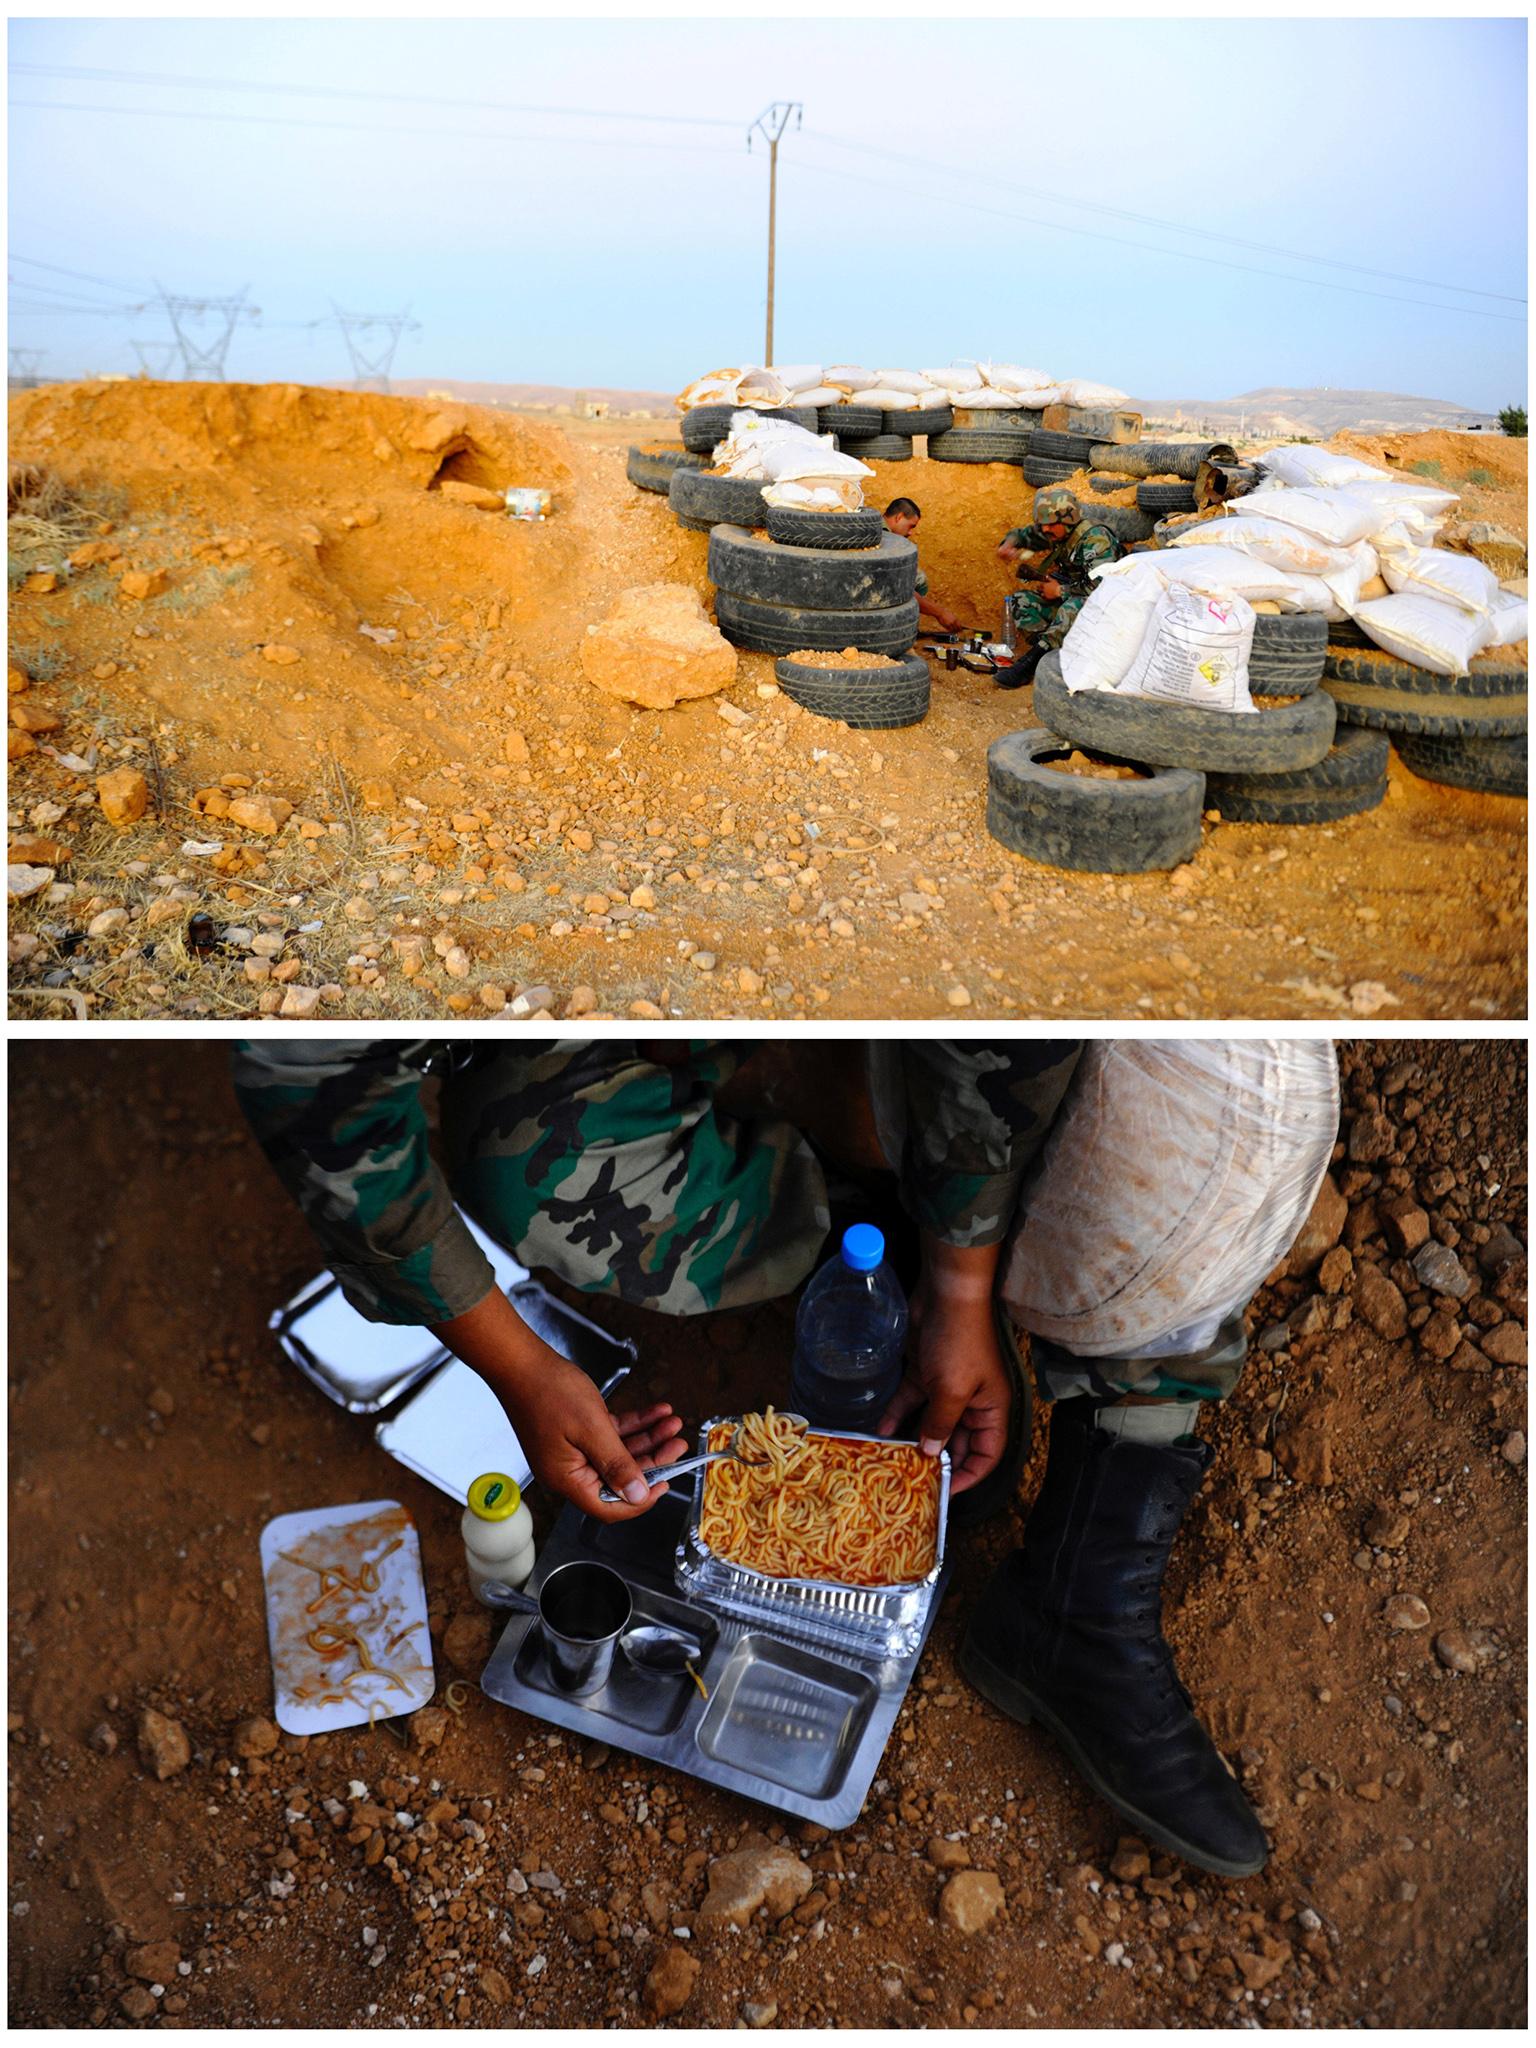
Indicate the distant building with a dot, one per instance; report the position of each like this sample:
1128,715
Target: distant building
442,394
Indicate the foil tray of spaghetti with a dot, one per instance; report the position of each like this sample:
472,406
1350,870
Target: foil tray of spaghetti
875,1622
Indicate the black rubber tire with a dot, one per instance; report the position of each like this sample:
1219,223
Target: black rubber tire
1125,522
1045,469
1392,696
965,444
929,419
1288,653
1088,825
1159,458
704,500
1107,486
1167,735
1166,498
1073,448
884,448
813,579
695,525
1350,778
651,469
851,422
834,531
784,629
807,416
706,426
1493,767
999,419
1345,633
870,698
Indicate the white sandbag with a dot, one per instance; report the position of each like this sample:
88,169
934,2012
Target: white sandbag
904,380
1101,397
1335,516
1266,540
798,377
955,378
821,394
1220,572
1195,652
1176,1176
762,387
848,376
843,495
1012,377
1507,619
1440,637
1305,465
1312,594
1107,634
1421,505
890,398
720,387
1454,579
982,398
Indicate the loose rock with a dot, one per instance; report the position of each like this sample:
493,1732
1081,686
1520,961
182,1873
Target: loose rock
971,1901
670,1983
759,1873
163,1744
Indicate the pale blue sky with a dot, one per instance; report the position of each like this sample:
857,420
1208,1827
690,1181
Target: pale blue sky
631,252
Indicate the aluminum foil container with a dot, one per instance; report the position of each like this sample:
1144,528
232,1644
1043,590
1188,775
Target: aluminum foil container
876,1622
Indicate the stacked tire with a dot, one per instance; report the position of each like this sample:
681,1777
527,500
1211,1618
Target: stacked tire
1467,732
774,597
652,469
871,435
1001,435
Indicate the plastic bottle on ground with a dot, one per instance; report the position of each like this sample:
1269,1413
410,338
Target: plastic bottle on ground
498,1533
849,1332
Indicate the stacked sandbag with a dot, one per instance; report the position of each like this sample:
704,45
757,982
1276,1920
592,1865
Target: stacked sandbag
763,459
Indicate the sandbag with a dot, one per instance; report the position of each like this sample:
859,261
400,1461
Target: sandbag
1436,572
848,377
719,387
1336,516
762,387
830,494
1093,397
1507,618
1011,377
955,378
820,395
1440,637
798,377
912,381
982,398
1176,1176
1421,508
1266,540
1107,634
1195,651
892,398
1222,572
1312,594
1305,465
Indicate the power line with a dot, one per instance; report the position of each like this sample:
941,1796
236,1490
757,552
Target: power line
1178,255
80,302
338,92
1175,227
81,276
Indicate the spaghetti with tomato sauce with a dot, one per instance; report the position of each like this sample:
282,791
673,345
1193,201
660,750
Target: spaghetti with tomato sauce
796,1506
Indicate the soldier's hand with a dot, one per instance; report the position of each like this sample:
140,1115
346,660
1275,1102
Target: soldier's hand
1050,590
957,1379
1008,552
576,1446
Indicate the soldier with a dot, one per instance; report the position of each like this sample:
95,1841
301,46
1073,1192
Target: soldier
901,518
1058,551
691,1176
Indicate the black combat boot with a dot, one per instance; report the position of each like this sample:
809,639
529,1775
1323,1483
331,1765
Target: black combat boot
1021,671
1069,1633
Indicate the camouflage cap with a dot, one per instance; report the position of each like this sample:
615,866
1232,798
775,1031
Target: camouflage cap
1056,506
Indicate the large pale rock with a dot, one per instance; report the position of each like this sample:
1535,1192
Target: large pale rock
123,795
1321,1231
656,648
759,1873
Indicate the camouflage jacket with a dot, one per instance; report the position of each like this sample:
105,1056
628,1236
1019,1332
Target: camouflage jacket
345,1124
1069,560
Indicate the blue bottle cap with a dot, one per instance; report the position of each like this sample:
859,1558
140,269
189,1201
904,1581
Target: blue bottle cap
863,1247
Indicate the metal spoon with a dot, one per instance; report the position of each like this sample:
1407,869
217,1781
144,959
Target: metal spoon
654,1473
659,1652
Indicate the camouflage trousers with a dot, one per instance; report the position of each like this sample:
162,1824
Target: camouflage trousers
623,1177
1044,622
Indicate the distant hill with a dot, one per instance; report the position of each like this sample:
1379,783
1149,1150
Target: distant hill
539,397
1321,412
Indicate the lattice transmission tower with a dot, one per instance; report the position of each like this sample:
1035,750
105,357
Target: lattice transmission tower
372,339
203,328
155,357
24,365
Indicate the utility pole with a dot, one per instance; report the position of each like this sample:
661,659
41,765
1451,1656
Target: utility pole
373,360
771,125
203,351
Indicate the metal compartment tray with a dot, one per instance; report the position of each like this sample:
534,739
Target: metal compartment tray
877,1621
797,1723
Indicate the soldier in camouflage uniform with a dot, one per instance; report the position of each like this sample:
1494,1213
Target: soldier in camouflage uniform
1058,552
665,1176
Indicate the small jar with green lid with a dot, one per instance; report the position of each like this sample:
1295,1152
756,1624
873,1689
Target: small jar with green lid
498,1533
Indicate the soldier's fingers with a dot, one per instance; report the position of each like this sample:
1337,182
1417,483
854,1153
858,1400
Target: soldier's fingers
617,1469
901,1404
986,1437
631,1420
945,1408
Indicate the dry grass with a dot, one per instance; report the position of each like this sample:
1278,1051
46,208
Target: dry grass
47,519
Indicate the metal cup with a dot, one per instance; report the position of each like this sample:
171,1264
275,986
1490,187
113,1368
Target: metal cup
583,1610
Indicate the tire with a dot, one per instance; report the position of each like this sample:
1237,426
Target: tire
967,444
1166,497
931,419
1288,654
1159,458
851,422
706,426
835,531
1045,469
1345,633
703,500
998,419
807,416
1350,778
784,629
1125,522
1106,486
870,698
652,469
1495,767
1392,696
1093,827
1168,735
884,447
1073,448
814,579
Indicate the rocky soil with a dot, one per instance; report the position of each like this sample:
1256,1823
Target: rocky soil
1347,1603
299,728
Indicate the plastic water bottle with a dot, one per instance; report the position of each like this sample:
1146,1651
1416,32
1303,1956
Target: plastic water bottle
849,1332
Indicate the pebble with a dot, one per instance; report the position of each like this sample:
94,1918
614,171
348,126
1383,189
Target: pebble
1441,1271
971,1901
1512,1450
162,1402
948,1855
255,1737
163,1744
1406,1611
1131,1861
103,1738
670,1983
108,921
760,2015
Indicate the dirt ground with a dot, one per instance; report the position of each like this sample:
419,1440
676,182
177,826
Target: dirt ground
478,830
154,1428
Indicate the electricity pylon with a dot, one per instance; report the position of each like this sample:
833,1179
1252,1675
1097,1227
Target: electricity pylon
373,359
